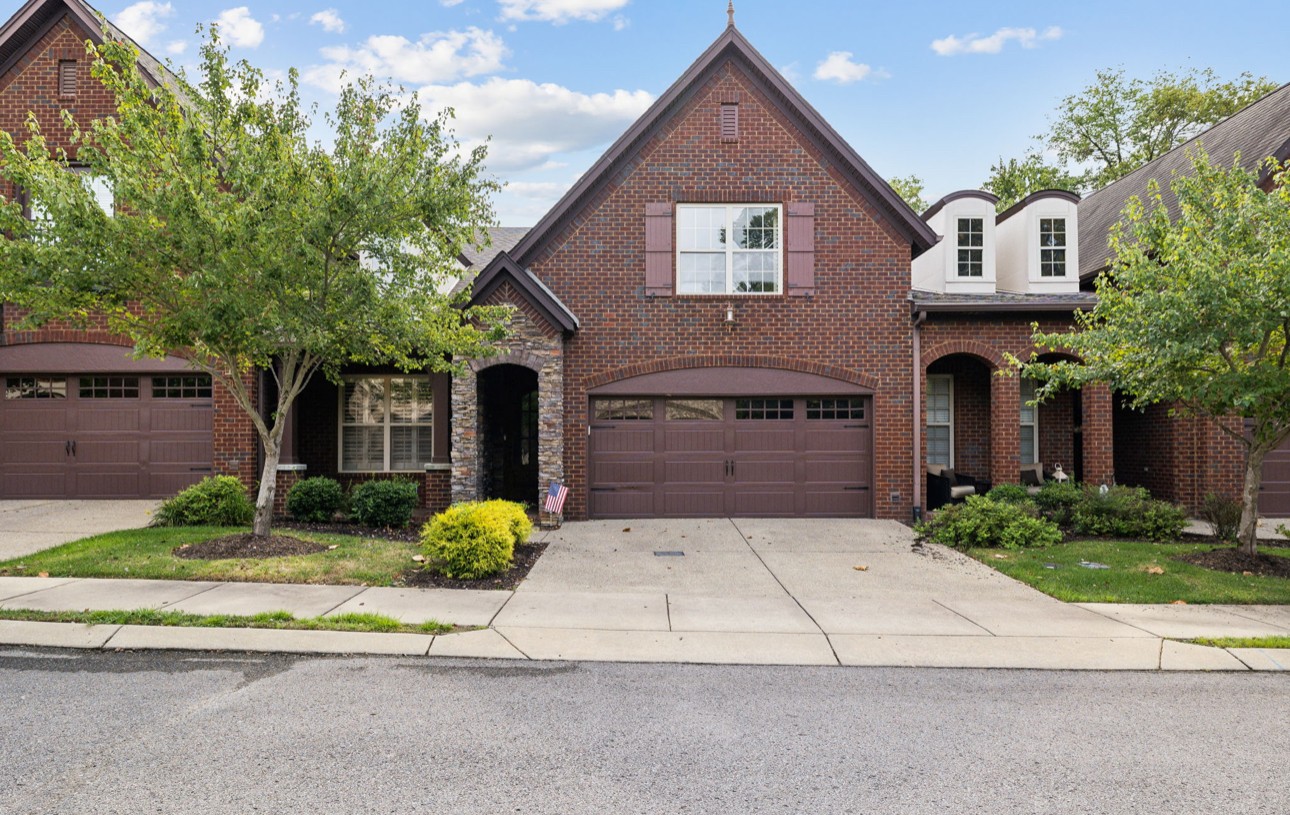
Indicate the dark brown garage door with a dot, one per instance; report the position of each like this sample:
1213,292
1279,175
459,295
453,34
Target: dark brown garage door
1274,497
103,436
715,457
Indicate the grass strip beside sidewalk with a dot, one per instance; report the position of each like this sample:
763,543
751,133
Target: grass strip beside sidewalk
147,554
1242,642
1135,572
280,620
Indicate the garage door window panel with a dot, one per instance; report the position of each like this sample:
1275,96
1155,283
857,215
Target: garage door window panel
36,387
694,410
834,409
109,387
763,409
181,387
623,410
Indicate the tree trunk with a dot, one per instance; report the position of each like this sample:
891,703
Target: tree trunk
1247,537
268,485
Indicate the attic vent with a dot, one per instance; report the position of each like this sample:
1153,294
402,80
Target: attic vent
67,77
730,122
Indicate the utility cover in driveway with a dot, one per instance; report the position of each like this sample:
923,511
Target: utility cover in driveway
739,457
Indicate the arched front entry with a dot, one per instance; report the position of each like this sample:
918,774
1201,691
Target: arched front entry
508,428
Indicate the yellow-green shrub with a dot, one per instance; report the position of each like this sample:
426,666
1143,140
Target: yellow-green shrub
474,540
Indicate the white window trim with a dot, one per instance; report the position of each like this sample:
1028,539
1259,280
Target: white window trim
949,378
1034,423
730,251
959,247
386,425
1040,248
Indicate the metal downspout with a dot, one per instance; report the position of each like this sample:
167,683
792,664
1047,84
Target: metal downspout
918,416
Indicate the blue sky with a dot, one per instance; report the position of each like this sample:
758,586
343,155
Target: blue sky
940,90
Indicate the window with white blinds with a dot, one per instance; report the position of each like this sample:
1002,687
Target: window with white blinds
940,420
386,424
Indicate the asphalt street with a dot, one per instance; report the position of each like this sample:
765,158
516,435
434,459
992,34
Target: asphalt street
93,732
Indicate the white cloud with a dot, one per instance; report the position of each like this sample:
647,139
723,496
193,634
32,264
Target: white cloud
993,44
538,190
143,21
450,3
437,57
562,11
237,27
176,47
529,122
330,20
841,67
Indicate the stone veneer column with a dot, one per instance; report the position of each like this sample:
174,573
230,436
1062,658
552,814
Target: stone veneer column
550,421
1005,429
1099,442
465,436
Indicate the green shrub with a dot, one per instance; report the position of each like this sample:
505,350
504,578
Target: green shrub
1223,515
383,503
214,501
1010,493
315,500
983,522
469,541
1057,500
1127,512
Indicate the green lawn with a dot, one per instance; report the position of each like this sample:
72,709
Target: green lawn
146,554
279,620
1057,571
1244,642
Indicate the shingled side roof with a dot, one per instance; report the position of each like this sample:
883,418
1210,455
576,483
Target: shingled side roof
1258,130
732,44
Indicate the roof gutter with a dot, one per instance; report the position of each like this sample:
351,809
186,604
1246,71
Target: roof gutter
994,308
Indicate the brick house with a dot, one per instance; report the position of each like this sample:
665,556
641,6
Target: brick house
731,313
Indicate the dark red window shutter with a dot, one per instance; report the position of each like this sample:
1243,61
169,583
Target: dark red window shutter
67,77
799,245
658,249
730,122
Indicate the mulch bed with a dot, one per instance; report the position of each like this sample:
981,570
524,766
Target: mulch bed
247,546
1232,560
525,557
409,534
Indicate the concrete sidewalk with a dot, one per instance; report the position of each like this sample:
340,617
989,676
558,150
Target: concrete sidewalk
711,591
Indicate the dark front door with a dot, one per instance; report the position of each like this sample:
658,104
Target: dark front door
508,400
722,456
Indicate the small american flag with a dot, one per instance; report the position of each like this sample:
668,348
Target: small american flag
555,498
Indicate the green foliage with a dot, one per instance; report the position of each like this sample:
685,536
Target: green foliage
383,503
243,242
982,522
214,501
1127,512
910,188
1118,123
1013,179
1057,500
473,540
513,515
315,500
1195,312
1223,515
1010,493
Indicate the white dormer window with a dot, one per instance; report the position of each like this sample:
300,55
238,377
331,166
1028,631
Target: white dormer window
1052,247
971,247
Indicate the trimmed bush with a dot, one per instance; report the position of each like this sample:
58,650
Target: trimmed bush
470,541
383,503
981,521
1010,493
1223,515
1127,512
214,501
315,500
1057,500
513,515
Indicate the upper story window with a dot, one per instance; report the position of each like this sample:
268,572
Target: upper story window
98,186
729,249
1052,247
971,247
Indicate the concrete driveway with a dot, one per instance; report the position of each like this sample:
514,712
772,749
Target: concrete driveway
30,526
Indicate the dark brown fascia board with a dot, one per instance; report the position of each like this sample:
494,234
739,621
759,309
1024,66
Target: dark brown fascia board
1281,154
1073,197
502,268
85,14
996,308
905,219
955,196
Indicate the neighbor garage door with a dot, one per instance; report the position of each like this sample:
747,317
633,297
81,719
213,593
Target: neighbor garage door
104,436
725,456
1274,496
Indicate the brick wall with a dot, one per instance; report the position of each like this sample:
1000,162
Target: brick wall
856,324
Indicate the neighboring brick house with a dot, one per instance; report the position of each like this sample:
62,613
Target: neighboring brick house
731,313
